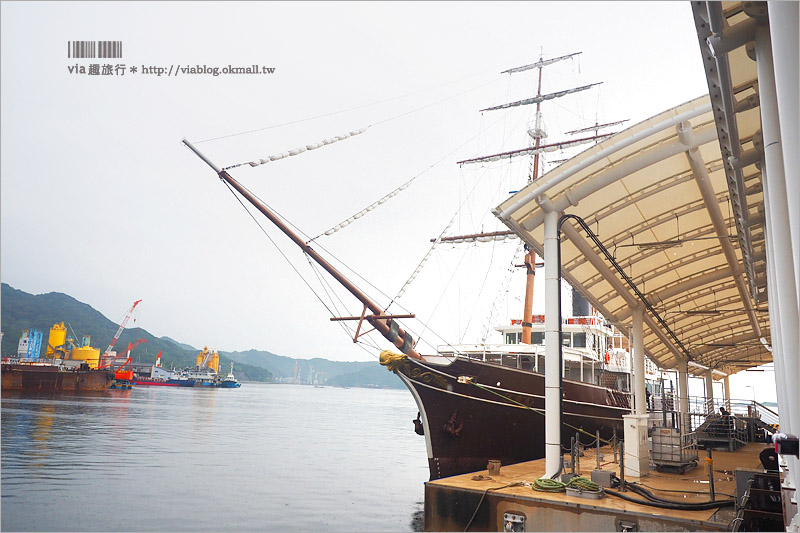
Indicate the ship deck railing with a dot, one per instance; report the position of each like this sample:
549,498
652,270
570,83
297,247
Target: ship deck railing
578,364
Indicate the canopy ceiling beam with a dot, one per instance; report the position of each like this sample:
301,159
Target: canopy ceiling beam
613,148
616,172
716,39
655,220
687,285
686,261
653,273
584,247
686,134
733,340
685,298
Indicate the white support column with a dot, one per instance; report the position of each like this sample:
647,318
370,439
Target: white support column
683,395
782,382
726,385
710,390
784,18
552,368
639,394
783,306
637,454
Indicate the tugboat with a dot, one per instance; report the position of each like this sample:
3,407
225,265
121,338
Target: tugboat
229,382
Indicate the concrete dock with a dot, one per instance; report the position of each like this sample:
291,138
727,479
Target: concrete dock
479,501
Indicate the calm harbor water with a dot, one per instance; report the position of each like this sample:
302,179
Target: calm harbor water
258,458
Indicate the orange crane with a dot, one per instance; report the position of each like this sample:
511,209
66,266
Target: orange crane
125,376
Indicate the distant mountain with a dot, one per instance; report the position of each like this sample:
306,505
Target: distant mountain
21,310
180,344
284,367
340,373
374,375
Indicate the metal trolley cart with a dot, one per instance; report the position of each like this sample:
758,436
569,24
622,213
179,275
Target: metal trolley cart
673,451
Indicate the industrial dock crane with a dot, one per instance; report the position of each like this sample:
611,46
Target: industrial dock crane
107,353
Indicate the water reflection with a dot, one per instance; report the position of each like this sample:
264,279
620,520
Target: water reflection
274,457
418,518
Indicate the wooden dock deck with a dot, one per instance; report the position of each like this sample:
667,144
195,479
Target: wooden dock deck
479,500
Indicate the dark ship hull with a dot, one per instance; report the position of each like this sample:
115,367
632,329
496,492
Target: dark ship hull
50,378
472,411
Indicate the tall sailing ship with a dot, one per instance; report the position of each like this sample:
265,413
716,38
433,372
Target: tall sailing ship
486,401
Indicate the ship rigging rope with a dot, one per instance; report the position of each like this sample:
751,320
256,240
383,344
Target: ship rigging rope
504,288
424,260
398,190
276,245
355,108
327,307
330,140
322,301
427,256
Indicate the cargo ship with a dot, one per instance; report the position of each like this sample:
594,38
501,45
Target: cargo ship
206,372
53,377
177,381
156,376
63,369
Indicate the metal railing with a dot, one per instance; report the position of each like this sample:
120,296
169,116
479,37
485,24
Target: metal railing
700,408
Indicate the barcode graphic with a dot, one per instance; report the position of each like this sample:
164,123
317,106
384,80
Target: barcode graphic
94,49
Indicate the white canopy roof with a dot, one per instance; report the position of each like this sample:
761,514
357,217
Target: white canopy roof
684,225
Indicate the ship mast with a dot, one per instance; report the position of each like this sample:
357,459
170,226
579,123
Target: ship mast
535,149
374,314
537,134
530,257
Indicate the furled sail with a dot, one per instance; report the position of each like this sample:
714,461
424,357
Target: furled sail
532,150
542,98
301,149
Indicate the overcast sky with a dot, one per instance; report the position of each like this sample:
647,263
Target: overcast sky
102,202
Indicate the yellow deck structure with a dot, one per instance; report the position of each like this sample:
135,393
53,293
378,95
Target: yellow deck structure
451,503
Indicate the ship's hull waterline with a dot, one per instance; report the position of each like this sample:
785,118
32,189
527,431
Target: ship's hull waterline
497,413
48,378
